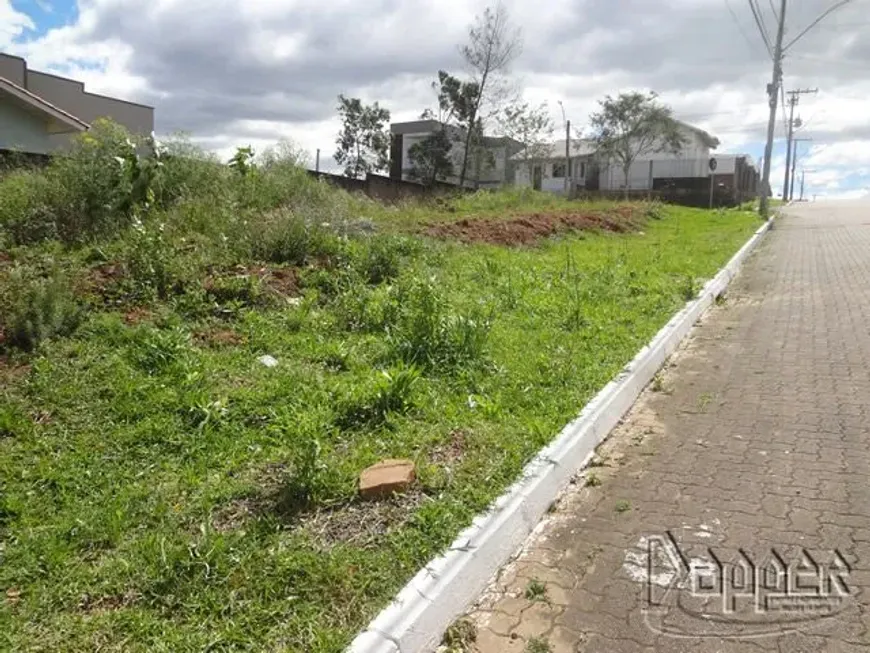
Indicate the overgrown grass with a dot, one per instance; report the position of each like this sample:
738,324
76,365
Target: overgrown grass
161,489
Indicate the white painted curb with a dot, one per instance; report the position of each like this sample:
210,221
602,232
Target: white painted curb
440,592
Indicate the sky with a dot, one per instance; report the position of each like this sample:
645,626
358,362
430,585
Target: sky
252,72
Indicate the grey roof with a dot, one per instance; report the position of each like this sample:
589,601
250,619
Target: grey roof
579,147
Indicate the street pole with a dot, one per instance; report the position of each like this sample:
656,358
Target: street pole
804,171
317,161
567,154
794,98
772,95
791,101
712,184
794,162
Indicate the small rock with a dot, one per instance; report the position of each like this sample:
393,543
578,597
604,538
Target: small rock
386,477
268,361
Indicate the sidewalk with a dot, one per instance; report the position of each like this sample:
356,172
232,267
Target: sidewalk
731,510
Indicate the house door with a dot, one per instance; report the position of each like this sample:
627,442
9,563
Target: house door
537,175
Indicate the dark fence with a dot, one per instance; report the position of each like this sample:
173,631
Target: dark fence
722,197
386,189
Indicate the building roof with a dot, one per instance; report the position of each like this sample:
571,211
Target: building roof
579,147
34,101
708,139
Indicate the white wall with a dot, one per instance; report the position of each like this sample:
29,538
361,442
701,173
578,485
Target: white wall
692,161
550,183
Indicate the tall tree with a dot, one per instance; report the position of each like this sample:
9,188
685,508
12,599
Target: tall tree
430,158
493,44
634,125
364,139
530,126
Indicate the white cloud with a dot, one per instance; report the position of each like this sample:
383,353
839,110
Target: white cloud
232,72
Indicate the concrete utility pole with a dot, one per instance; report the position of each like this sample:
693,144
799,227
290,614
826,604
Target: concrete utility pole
773,87
567,156
794,98
567,124
773,100
794,163
804,172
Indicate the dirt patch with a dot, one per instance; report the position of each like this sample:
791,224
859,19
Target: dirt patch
136,316
361,523
101,281
100,604
220,338
281,281
529,229
452,451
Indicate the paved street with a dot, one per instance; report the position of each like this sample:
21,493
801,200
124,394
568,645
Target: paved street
731,510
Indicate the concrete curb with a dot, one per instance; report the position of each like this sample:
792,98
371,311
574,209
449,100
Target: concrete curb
416,619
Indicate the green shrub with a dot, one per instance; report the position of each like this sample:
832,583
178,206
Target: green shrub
380,258
149,260
391,393
429,334
157,350
14,422
40,309
283,236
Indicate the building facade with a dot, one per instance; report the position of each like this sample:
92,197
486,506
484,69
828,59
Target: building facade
41,112
490,167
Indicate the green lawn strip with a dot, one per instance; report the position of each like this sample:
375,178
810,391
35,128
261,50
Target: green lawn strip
177,494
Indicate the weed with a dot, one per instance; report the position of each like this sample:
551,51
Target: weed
429,334
459,637
688,288
538,645
704,400
658,383
156,350
284,236
592,480
536,591
40,309
622,506
391,393
14,422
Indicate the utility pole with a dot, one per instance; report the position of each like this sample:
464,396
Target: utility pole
567,156
567,124
773,100
794,98
804,172
773,87
794,162
317,161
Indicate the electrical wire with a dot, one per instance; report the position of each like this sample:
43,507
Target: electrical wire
740,27
761,28
820,18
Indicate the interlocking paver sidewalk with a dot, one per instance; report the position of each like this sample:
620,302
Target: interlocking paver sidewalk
755,439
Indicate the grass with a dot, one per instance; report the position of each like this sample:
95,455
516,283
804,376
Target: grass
536,590
160,489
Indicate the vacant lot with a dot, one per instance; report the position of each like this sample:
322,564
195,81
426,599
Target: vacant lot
165,487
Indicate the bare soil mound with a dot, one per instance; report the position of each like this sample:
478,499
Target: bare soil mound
531,228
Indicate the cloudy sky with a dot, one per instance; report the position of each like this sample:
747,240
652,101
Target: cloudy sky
238,72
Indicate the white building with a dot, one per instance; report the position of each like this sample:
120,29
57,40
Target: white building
691,162
491,170
545,168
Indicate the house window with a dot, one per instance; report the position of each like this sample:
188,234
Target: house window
558,170
582,174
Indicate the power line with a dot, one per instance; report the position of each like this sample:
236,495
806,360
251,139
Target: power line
820,18
740,26
761,29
